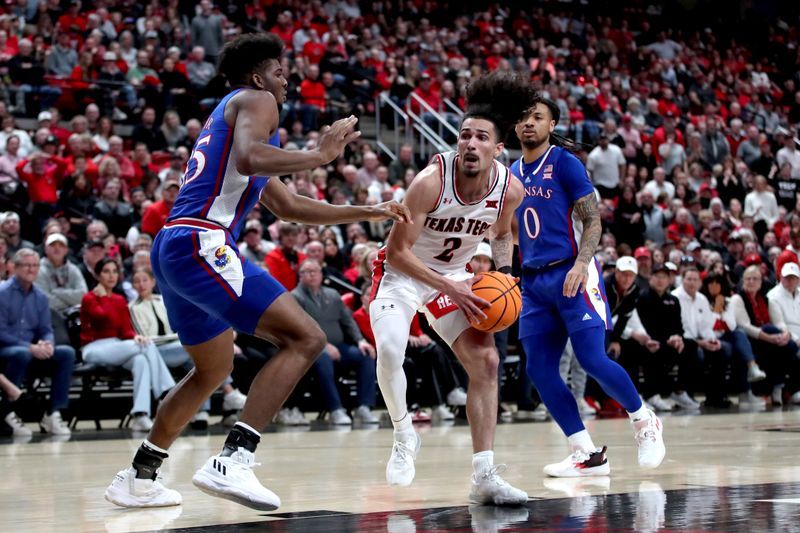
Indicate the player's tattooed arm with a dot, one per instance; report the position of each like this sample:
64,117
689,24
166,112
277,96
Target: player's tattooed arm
588,213
502,250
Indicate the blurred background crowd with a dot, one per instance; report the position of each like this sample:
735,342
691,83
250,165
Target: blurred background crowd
689,133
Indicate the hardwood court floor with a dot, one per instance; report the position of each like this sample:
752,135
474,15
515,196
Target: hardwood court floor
58,486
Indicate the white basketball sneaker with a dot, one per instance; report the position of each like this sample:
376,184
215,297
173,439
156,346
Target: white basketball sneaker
400,468
650,440
128,491
489,488
581,464
232,478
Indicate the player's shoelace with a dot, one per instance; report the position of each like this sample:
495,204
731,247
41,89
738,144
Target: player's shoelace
580,456
493,474
403,451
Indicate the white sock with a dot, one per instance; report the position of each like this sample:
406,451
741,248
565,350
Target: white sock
642,413
245,426
403,425
154,447
482,461
581,441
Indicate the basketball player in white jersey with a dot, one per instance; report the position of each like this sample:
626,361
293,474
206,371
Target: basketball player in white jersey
454,202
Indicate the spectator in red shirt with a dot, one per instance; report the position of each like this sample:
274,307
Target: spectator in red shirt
155,216
314,49
682,227
43,174
108,338
312,98
284,28
661,133
284,261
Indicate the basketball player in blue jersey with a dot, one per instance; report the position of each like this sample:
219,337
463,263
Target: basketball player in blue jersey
558,226
209,289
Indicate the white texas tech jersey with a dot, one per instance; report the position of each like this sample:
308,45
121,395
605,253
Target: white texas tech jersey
454,228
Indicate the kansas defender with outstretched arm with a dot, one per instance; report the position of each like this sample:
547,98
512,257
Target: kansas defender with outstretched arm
209,289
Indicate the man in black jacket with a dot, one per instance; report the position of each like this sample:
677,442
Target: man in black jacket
655,342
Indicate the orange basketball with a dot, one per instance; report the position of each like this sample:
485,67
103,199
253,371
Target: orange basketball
505,299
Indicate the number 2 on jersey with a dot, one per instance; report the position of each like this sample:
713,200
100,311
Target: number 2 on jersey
199,158
531,217
451,244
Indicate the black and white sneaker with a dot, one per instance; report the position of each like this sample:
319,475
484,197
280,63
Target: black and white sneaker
580,464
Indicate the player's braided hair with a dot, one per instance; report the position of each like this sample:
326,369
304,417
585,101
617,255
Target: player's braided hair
242,56
501,98
555,138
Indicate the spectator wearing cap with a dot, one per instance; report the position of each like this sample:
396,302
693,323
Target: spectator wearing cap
644,265
254,247
155,216
761,204
606,166
27,73
284,261
789,154
774,347
790,254
62,57
784,301
26,339
207,30
657,330
623,294
61,281
93,251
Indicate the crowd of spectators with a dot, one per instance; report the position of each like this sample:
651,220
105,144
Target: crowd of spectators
690,134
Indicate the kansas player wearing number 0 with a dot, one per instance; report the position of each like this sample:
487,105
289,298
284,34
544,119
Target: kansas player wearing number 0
209,289
454,202
558,226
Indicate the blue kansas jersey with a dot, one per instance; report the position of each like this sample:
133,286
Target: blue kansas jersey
548,232
211,188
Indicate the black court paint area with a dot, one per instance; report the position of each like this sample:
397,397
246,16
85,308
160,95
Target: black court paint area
749,508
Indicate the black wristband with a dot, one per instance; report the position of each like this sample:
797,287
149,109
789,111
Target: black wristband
505,270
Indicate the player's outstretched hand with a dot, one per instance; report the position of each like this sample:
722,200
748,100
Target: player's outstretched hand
335,137
576,279
394,210
460,293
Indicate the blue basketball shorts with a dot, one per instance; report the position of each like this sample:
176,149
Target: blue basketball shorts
206,285
546,309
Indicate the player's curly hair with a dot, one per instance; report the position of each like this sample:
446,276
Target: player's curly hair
501,98
242,56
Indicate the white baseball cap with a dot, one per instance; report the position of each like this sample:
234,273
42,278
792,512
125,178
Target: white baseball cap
56,237
483,249
790,269
627,263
